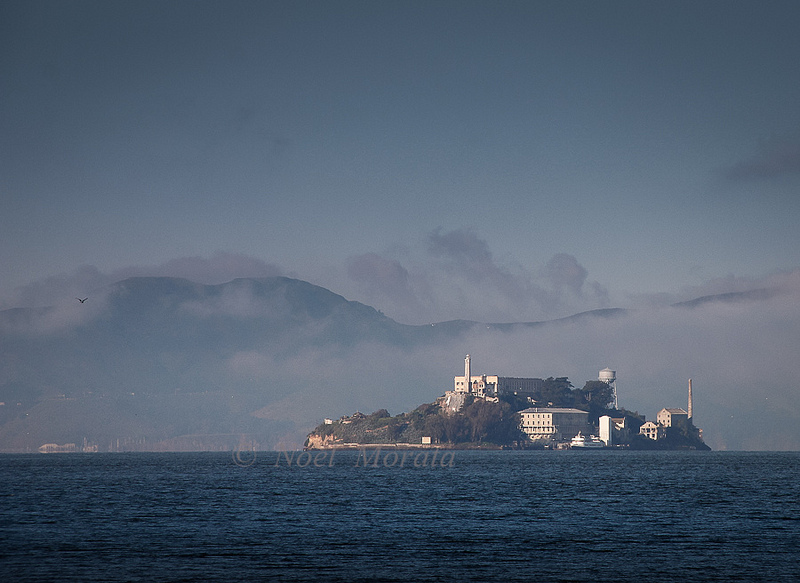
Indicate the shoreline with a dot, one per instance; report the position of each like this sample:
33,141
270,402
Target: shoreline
403,446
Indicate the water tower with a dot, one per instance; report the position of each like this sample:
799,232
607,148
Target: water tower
609,377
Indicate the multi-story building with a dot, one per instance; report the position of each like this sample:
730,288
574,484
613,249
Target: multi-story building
553,423
479,385
654,431
613,430
672,417
492,385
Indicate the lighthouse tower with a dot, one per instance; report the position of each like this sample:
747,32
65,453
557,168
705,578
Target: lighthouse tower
467,374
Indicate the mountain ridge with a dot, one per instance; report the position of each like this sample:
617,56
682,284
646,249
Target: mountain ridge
151,359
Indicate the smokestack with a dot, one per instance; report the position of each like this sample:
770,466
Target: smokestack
690,399
467,375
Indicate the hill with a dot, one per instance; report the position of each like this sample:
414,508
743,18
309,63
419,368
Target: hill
166,363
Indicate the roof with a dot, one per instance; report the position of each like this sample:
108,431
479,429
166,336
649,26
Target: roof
677,411
552,410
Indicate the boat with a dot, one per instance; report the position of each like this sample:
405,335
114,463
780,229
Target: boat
582,442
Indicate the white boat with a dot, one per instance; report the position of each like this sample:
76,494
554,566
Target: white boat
583,442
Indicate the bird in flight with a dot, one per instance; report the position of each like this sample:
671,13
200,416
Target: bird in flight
81,300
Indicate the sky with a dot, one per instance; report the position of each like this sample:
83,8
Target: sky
438,160
493,161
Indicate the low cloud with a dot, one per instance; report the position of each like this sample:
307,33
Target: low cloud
774,283
63,288
56,319
564,271
463,249
739,355
454,275
88,280
381,278
241,300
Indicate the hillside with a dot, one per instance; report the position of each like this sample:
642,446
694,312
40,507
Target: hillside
479,424
488,424
151,360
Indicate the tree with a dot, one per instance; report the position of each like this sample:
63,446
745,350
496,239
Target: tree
433,427
453,427
595,397
555,392
492,422
481,415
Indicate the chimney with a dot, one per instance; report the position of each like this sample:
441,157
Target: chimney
690,400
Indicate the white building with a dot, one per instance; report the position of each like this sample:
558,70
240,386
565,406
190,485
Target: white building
654,431
492,385
606,430
553,423
672,417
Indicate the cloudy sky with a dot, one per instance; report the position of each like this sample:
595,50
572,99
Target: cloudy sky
419,156
495,161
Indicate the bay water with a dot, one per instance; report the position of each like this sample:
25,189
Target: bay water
465,516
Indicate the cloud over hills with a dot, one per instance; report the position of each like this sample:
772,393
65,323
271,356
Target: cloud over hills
219,268
447,275
454,275
272,356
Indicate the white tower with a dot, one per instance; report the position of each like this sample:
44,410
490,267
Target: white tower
689,410
609,377
467,375
606,427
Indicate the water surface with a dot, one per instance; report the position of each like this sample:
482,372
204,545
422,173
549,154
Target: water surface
484,516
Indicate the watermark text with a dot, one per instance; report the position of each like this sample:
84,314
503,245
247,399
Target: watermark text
366,458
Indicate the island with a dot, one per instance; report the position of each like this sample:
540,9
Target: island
494,412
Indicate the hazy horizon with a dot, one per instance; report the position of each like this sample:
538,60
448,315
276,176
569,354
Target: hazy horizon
494,162
739,354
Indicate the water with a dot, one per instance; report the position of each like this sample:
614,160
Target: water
485,516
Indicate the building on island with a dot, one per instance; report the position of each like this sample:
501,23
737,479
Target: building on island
487,387
357,416
667,417
492,385
538,423
553,423
613,430
654,431
672,417
605,428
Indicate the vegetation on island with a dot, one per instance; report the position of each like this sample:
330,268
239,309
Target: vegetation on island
681,437
478,422
489,423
